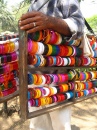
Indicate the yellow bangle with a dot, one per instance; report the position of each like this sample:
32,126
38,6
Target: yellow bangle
35,79
42,101
50,50
70,51
12,47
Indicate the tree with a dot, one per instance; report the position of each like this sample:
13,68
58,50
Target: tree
6,18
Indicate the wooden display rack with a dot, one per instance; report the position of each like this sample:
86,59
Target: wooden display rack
6,98
23,84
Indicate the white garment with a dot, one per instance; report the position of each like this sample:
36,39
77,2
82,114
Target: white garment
56,120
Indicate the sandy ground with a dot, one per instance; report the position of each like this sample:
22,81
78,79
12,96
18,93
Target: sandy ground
84,116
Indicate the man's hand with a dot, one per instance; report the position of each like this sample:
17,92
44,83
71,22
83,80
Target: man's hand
34,21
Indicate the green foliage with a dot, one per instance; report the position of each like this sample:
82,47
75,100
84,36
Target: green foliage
9,19
18,11
93,22
6,18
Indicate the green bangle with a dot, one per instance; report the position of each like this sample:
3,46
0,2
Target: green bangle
36,36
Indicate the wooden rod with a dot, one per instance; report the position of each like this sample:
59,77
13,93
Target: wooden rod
23,85
6,98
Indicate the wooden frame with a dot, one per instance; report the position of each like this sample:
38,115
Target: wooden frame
23,84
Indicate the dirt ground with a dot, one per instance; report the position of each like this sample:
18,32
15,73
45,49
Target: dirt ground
84,116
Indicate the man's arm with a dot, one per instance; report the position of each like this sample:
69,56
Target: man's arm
42,22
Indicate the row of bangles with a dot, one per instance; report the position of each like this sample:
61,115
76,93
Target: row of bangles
40,60
41,79
58,97
85,75
50,99
8,84
86,92
10,57
8,91
8,76
6,68
43,91
85,85
54,50
51,37
9,46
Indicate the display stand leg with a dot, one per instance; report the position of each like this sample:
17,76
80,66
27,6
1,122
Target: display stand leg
5,110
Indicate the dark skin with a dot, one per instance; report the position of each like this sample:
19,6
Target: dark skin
43,22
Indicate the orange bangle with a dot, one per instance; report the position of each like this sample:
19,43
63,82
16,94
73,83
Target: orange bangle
82,93
34,47
48,36
65,87
7,48
72,61
40,36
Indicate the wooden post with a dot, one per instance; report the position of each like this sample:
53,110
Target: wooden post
23,69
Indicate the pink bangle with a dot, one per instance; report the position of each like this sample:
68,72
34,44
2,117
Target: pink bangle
30,44
53,38
56,78
14,56
9,91
1,79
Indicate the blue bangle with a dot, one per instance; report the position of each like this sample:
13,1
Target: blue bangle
38,61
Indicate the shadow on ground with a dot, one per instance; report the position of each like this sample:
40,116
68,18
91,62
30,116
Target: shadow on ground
73,127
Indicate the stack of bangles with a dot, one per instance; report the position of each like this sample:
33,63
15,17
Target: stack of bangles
8,91
86,75
9,47
49,100
54,50
40,61
85,61
8,57
41,79
7,37
83,85
6,68
86,92
8,84
52,37
8,76
38,92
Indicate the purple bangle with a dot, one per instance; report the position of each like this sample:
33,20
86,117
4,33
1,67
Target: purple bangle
5,58
32,102
54,98
55,78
